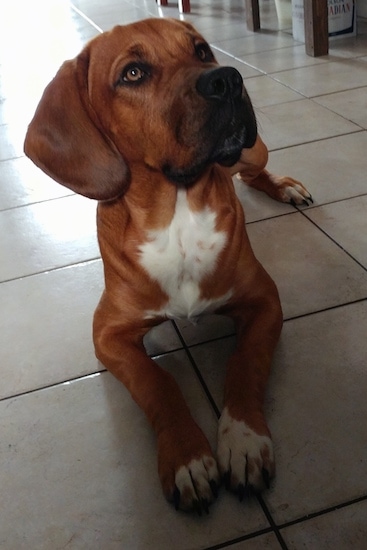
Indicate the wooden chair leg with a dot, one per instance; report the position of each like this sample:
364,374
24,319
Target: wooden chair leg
316,27
252,15
184,6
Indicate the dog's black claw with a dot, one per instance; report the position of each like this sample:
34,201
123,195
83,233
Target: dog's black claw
241,491
176,498
266,477
305,202
310,198
197,507
205,505
227,480
214,487
293,203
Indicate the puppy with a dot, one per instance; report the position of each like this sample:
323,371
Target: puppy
146,122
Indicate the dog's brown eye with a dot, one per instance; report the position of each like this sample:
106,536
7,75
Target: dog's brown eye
133,74
204,53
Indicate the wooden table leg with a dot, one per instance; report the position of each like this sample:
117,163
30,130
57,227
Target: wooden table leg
316,27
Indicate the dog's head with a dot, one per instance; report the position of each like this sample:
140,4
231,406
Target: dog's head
147,94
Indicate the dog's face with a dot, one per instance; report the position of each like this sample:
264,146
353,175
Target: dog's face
160,81
154,94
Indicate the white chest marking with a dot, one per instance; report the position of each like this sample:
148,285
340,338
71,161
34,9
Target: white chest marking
179,256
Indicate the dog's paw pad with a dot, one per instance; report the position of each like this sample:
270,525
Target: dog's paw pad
245,458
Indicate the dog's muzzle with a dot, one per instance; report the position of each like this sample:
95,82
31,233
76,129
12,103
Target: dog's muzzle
228,124
231,125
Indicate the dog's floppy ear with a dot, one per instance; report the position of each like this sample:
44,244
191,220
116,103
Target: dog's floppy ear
64,139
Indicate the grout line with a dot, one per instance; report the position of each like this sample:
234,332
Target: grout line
323,512
197,371
40,201
269,517
85,17
250,536
330,308
359,130
52,269
53,385
332,239
285,320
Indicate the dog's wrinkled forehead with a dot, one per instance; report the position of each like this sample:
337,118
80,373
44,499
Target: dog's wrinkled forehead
138,41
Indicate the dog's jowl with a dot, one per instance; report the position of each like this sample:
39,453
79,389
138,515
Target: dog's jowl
145,121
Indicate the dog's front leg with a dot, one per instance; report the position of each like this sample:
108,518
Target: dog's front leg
245,450
186,466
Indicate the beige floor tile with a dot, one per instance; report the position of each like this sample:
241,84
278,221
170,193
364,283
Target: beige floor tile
315,403
224,59
161,339
299,122
225,31
11,141
79,469
326,78
206,328
349,47
261,542
343,529
351,104
257,205
289,58
318,387
346,223
264,91
48,37
47,235
331,169
211,359
265,41
24,184
310,271
46,327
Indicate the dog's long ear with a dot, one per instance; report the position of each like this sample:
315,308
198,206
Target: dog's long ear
64,140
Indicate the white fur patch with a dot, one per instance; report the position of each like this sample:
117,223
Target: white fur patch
193,481
243,452
179,256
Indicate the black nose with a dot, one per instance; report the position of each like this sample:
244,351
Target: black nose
220,84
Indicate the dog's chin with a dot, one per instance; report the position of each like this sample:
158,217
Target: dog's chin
225,153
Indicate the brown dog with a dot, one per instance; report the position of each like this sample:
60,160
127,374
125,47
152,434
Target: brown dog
147,122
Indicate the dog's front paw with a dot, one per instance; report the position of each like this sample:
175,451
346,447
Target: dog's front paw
290,190
188,471
245,458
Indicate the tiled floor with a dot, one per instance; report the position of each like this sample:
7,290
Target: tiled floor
77,458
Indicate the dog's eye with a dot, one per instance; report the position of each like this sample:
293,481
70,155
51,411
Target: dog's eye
204,53
133,74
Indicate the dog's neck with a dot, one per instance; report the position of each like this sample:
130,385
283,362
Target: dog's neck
152,198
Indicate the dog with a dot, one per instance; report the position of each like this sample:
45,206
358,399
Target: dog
145,121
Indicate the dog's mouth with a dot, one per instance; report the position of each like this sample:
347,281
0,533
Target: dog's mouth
229,126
